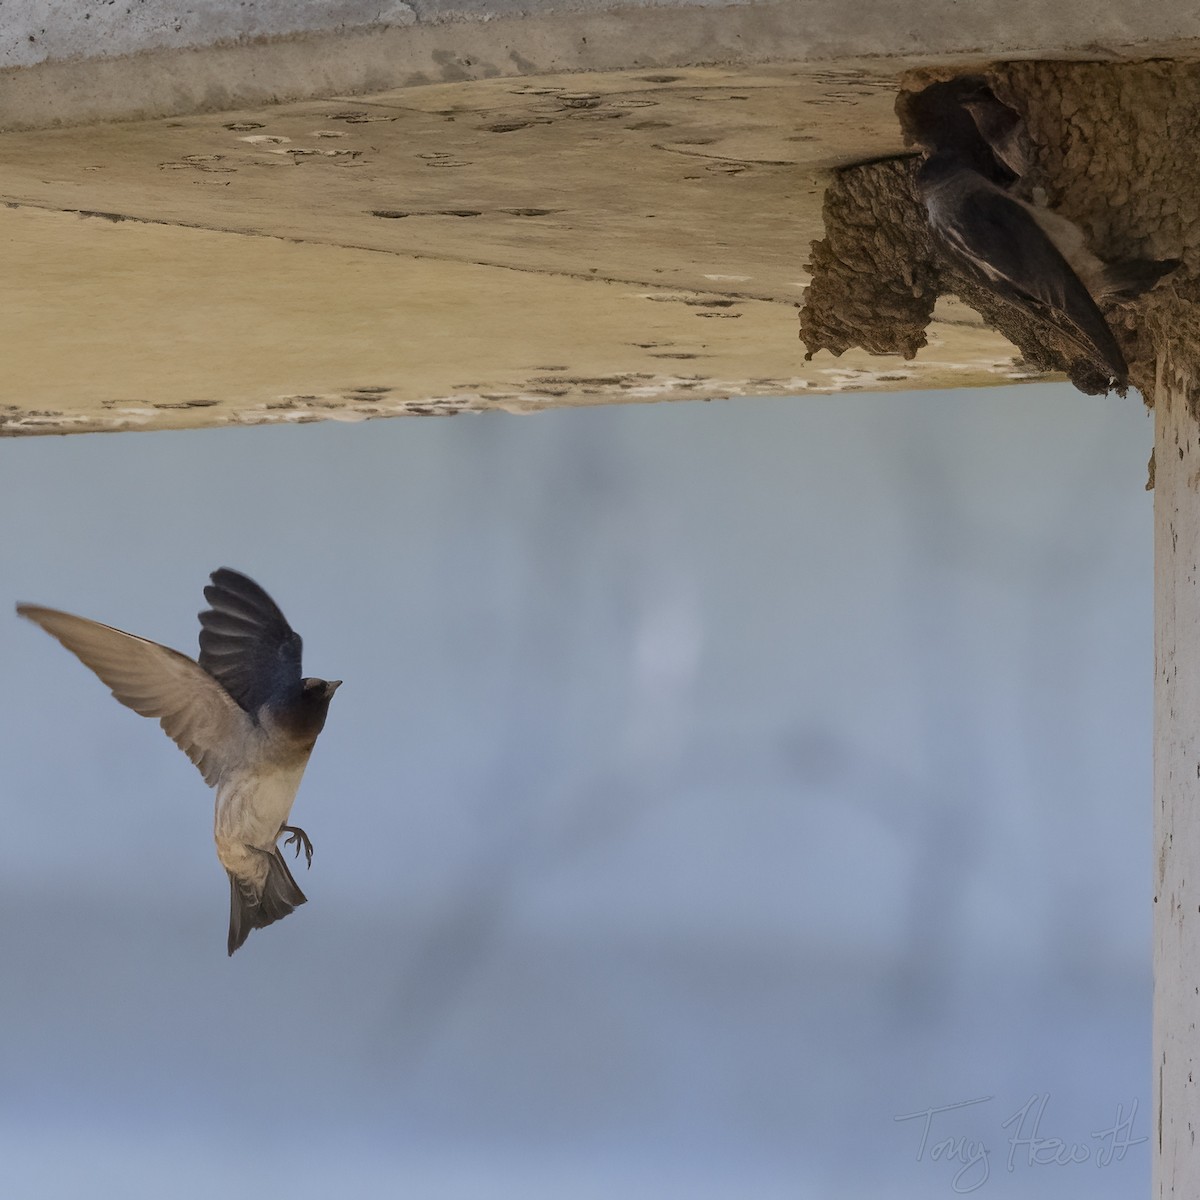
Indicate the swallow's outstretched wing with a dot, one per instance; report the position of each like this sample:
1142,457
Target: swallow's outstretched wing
196,712
246,643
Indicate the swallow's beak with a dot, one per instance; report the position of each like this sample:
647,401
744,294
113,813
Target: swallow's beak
332,686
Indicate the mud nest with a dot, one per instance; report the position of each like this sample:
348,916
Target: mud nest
1113,147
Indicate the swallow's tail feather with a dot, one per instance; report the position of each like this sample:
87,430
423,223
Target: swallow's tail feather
249,909
1130,277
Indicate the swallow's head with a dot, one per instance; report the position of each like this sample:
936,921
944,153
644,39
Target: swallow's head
993,117
971,89
963,121
307,718
320,690
936,117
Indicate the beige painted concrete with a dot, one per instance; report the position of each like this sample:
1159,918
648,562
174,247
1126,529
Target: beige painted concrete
1176,1094
502,243
510,203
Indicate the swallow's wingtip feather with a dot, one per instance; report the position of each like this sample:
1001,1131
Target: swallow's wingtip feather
41,616
230,579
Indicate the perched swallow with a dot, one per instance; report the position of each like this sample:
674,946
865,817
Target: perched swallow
1003,129
242,714
965,117
1000,126
1014,248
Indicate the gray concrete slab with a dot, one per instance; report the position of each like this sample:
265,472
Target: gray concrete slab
73,63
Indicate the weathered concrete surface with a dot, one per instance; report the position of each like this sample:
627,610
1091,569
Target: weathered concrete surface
510,204
1175,1161
97,61
494,244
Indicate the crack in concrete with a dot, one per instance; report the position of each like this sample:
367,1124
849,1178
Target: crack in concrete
417,255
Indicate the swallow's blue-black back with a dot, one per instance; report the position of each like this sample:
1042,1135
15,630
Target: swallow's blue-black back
1000,241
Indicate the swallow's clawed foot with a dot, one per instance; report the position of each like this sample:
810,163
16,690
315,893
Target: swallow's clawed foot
299,839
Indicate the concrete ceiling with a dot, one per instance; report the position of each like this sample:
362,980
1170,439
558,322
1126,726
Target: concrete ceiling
507,204
501,243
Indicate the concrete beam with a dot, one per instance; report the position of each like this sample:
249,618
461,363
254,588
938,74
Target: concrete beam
492,206
1176,1092
105,61
509,244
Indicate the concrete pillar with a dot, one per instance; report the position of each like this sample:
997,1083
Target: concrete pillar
1176,1081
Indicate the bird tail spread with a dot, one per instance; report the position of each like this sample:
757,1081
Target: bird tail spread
249,909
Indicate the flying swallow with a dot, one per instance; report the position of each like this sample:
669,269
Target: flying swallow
242,714
1028,255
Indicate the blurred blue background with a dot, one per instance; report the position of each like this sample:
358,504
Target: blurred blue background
712,784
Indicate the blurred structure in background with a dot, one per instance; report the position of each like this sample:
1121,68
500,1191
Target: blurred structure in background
711,786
